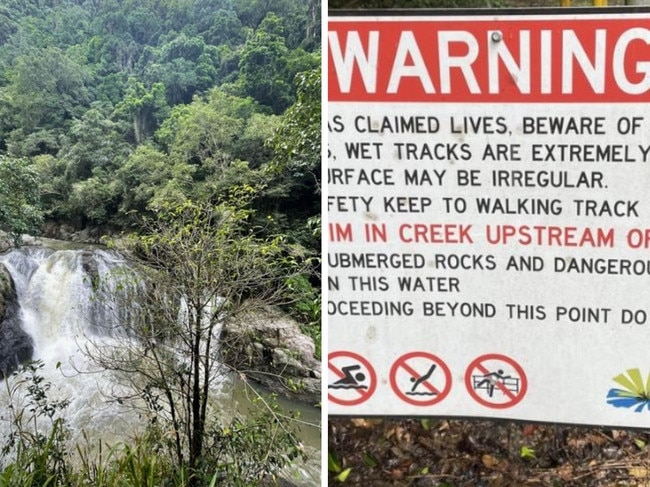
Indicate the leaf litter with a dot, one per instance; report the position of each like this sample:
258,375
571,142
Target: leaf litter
463,453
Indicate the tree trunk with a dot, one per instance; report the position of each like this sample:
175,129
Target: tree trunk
198,425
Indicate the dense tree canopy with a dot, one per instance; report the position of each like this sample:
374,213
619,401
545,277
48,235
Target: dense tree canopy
121,105
112,110
19,201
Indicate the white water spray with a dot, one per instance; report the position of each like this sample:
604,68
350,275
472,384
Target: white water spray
68,298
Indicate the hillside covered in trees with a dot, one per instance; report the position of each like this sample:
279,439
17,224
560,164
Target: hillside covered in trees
113,110
122,106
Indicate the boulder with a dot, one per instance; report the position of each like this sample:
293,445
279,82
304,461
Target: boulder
7,290
16,345
269,347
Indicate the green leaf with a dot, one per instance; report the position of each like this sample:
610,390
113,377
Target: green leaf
343,476
527,452
369,460
333,463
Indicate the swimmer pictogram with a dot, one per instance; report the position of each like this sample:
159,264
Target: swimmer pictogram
353,378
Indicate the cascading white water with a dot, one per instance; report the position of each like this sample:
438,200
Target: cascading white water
67,300
72,301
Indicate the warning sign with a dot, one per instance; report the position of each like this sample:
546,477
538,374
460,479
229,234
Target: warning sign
420,379
487,181
496,381
354,379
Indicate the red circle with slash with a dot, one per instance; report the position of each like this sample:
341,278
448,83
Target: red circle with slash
431,370
511,390
352,395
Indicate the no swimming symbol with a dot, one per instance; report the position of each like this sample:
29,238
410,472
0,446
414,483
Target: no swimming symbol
353,378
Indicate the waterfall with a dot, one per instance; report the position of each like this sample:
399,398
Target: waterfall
64,300
61,299
66,303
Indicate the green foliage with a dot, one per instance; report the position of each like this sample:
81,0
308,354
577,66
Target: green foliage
93,144
426,424
263,66
38,450
204,262
297,142
92,199
369,460
306,307
20,210
294,172
185,65
334,466
84,84
204,132
149,179
249,450
144,107
239,452
226,28
47,91
336,4
527,453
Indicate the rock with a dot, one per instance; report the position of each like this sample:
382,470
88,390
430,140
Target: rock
269,347
16,346
64,231
5,242
57,231
30,240
7,290
90,267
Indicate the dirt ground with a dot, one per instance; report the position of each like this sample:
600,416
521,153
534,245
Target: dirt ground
452,453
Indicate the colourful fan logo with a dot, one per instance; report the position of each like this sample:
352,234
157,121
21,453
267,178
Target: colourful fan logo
635,393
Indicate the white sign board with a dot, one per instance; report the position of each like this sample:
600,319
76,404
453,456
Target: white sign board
488,216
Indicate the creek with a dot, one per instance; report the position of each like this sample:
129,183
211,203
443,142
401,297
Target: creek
57,314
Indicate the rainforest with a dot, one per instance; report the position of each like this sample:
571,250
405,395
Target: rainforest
160,213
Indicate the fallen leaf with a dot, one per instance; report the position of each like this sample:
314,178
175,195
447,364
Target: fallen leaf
596,439
489,461
638,472
565,472
365,423
343,476
396,474
529,429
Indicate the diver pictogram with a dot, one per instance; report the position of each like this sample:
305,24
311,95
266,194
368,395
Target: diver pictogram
420,378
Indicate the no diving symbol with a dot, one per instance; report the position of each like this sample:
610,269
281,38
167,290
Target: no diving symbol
420,379
353,378
496,381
